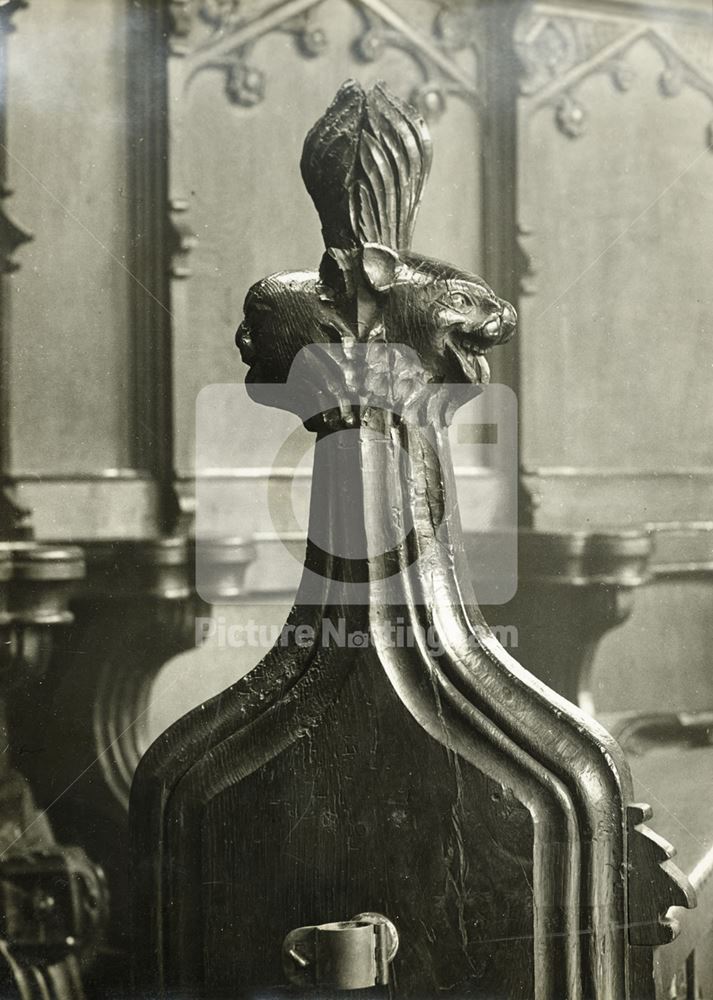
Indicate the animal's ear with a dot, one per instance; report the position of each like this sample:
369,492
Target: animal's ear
380,265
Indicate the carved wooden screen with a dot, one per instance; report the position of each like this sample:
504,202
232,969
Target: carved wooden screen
615,218
615,170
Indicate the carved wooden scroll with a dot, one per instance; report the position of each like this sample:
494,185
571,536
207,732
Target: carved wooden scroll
388,756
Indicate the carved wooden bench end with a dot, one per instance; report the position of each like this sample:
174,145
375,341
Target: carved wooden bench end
389,757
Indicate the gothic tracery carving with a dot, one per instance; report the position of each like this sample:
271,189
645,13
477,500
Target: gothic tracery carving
224,34
558,54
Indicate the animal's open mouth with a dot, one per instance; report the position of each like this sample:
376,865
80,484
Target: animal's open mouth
469,356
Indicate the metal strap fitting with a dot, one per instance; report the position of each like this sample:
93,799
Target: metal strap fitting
346,955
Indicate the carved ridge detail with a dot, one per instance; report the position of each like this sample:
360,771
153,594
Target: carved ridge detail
655,884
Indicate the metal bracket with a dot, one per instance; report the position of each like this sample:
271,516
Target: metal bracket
346,955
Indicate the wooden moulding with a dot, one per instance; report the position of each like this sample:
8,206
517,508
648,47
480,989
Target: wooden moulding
37,583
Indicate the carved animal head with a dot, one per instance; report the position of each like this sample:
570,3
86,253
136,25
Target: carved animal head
283,314
364,164
448,316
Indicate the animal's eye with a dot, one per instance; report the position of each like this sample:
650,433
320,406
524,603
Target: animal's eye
459,300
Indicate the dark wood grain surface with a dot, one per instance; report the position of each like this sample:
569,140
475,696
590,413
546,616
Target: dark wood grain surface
366,812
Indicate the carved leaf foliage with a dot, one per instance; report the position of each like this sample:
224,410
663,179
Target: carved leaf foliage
394,160
365,164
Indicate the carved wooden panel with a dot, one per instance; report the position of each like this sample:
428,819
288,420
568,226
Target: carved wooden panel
75,423
616,106
67,139
615,170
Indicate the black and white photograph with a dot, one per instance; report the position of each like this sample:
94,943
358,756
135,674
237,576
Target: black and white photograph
356,499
